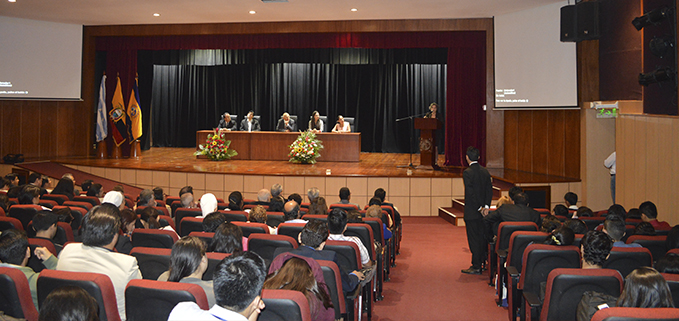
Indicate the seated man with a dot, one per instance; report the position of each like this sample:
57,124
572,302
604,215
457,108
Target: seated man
337,224
212,221
95,254
595,248
238,284
187,201
263,197
146,198
571,200
649,213
276,190
517,212
382,195
313,194
615,228
29,194
345,197
35,179
250,124
286,124
227,123
15,252
13,179
292,213
45,225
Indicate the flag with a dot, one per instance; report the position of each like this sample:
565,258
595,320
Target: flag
134,112
102,124
117,114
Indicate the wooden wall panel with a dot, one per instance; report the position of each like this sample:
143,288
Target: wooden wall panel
556,131
541,148
48,128
525,141
11,128
511,137
572,141
652,157
30,135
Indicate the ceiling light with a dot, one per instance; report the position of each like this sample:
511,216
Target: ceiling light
354,9
252,11
659,75
652,17
12,0
661,46
156,14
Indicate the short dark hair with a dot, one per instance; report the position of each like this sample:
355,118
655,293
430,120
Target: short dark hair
314,233
521,199
158,193
550,223
375,201
186,189
212,221
571,198
584,211
668,264
43,220
13,245
27,193
295,197
101,225
34,177
344,193
86,185
596,246
473,153
292,214
145,197
228,239
381,194
649,209
337,220
514,190
11,177
644,228
672,240
615,228
94,189
617,209
237,282
560,210
578,226
634,213
561,236
69,303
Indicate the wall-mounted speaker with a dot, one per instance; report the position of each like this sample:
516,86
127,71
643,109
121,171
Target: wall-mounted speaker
568,30
580,22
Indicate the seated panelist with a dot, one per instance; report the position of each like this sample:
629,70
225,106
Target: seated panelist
341,126
316,123
227,123
286,124
250,124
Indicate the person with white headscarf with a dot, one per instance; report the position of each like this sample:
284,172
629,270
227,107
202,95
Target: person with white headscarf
208,204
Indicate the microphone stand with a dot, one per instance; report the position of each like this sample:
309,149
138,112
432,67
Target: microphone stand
410,148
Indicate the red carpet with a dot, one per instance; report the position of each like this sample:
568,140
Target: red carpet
427,283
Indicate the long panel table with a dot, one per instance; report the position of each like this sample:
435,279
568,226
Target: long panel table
263,145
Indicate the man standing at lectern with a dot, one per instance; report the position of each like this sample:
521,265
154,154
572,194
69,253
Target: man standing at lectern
478,192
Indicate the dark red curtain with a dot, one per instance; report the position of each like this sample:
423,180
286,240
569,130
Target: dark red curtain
466,90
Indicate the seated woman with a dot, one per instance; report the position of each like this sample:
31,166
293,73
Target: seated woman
341,126
128,220
561,236
228,239
69,303
64,187
188,263
149,219
376,212
645,288
304,275
315,123
235,201
258,215
318,206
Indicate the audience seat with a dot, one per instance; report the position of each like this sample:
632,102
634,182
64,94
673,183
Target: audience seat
47,203
673,283
64,233
290,229
346,207
60,199
274,218
99,286
89,199
252,228
636,314
190,224
240,216
87,206
593,222
205,236
627,259
213,259
162,210
266,244
77,212
154,238
320,217
251,206
152,261
333,280
171,199
182,212
285,305
24,212
44,243
655,244
514,263
16,296
154,300
349,258
504,233
166,220
8,223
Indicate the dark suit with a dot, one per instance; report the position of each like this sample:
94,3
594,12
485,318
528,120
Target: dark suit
349,281
292,126
510,213
255,125
231,125
478,192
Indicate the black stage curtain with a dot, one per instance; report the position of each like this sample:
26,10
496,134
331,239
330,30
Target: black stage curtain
192,88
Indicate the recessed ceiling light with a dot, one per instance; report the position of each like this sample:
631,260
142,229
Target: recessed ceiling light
156,14
252,11
12,0
354,9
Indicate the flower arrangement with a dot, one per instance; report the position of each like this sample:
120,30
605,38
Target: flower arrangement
216,147
305,149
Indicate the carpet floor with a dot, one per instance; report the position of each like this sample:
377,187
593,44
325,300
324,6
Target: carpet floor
427,284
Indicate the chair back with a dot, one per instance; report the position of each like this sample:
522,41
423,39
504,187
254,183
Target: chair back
540,259
24,212
319,217
182,212
60,199
518,243
205,236
87,206
252,228
152,261
238,216
266,244
290,229
89,199
190,224
673,282
64,233
284,305
655,244
565,288
333,280
154,300
47,203
346,207
213,259
44,243
154,238
347,254
274,218
99,286
593,222
16,295
365,233
162,210
636,314
627,259
377,227
506,229
8,223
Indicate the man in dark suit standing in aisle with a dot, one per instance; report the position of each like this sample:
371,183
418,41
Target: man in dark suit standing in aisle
478,192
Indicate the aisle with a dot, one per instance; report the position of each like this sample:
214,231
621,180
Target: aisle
427,283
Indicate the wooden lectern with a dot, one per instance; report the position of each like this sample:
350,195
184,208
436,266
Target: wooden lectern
428,150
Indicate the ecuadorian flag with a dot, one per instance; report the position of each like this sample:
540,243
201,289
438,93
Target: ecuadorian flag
117,116
134,112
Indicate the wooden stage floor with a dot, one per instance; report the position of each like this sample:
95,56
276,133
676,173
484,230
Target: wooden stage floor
370,164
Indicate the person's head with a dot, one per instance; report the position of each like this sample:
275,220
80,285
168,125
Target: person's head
644,228
312,193
186,189
340,120
615,228
119,188
14,247
69,176
29,194
344,193
354,216
318,206
295,197
45,182
238,284
228,239
672,240
473,154
634,213
69,303
95,190
5,183
227,117
668,264
65,185
35,179
187,200
561,236
116,198
578,226
276,189
286,117
375,201
277,204
617,209
433,107
158,194
13,179
14,191
128,219
187,257
560,210
149,218
648,211
208,203
212,221
100,226
595,247
4,201
86,185
315,115
550,223
503,200
515,190
263,195
645,288
295,274
521,199
571,199
45,224
584,211
236,201
146,198
337,221
250,115
381,194
376,212
258,214
314,234
291,210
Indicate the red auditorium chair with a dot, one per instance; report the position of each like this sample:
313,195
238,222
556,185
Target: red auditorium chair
191,224
89,199
152,261
239,216
655,244
154,300
171,199
213,259
504,233
154,238
274,218
205,236
182,212
24,212
383,265
627,259
673,283
65,228
285,305
290,229
87,206
2,212
514,262
333,279
8,223
346,207
634,314
349,258
266,244
99,286
365,233
77,212
60,199
16,295
252,228
44,243
593,222
321,217
47,203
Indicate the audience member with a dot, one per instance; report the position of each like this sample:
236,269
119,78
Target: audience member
186,189
228,239
561,236
595,247
571,200
668,264
35,179
263,197
95,253
649,213
276,190
576,225
337,224
277,204
212,221
14,191
375,201
13,179
29,194
503,200
186,201
617,209
76,190
517,212
615,228
258,215
86,185
238,284
376,212
513,191
354,216
146,198
382,195
159,194
116,198
318,206
119,188
634,213
5,185
345,196
561,210
149,219
295,197
549,224
672,240
292,213
312,194
15,252
208,204
64,187
69,303
128,220
4,202
236,201
44,223
188,263
96,190
583,211
644,228
645,288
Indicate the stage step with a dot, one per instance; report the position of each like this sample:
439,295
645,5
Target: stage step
452,215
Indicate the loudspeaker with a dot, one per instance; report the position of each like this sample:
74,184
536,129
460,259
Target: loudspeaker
587,20
568,29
